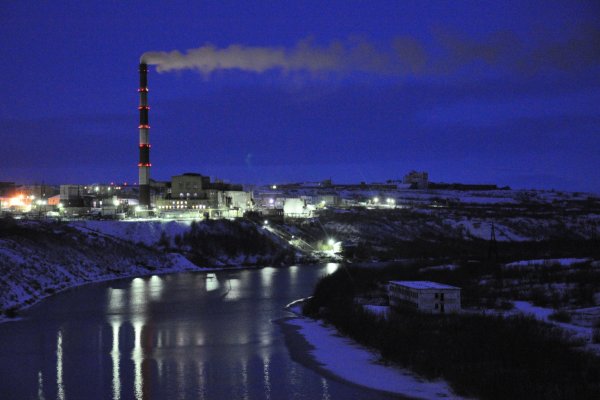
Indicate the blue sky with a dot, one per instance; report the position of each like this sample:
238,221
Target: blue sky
485,92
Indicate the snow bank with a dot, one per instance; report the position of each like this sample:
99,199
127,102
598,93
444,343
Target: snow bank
445,267
542,314
563,262
349,361
381,311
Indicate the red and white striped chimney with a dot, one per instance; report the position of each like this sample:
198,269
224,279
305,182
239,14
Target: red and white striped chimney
144,127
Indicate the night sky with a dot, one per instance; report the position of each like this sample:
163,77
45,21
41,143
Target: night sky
473,92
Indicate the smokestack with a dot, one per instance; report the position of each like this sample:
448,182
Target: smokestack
144,164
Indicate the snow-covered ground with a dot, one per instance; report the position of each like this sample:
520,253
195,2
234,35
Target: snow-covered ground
351,362
381,311
444,267
147,232
40,259
578,332
563,262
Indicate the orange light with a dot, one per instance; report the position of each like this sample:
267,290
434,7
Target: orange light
145,126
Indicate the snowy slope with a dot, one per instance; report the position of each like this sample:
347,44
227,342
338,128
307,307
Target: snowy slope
40,259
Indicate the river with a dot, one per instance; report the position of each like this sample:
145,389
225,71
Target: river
179,336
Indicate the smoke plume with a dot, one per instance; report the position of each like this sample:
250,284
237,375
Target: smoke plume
405,55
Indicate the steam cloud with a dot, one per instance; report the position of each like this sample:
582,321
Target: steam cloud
405,55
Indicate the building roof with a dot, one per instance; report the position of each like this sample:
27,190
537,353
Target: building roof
423,285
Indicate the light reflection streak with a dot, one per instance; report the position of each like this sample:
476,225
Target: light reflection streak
293,274
201,381
138,296
199,336
233,290
59,368
332,267
245,394
159,340
181,337
156,286
180,379
116,377
116,300
211,282
137,357
159,366
293,376
266,377
326,395
40,386
266,278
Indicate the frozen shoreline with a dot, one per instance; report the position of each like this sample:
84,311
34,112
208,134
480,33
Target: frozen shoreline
180,264
345,359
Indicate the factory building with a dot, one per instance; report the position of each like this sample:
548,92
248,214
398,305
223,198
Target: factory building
7,189
189,185
71,193
297,208
194,195
38,192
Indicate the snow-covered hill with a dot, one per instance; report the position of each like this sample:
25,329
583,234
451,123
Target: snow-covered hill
38,259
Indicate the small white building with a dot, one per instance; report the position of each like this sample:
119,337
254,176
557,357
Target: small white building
424,296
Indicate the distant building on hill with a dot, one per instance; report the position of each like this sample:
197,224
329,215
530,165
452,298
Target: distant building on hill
465,186
424,296
417,180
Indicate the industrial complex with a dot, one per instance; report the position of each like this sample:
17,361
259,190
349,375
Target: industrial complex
193,195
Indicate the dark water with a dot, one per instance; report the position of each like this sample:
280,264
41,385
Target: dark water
180,336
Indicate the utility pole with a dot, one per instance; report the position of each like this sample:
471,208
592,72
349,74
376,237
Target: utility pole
493,245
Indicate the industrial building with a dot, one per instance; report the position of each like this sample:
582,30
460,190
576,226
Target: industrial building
425,296
194,195
417,180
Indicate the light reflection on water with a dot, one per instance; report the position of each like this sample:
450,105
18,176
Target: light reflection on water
233,290
114,354
137,357
41,386
212,283
59,367
200,336
332,267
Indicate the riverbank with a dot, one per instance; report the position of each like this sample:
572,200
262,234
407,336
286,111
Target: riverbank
318,346
177,263
41,258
